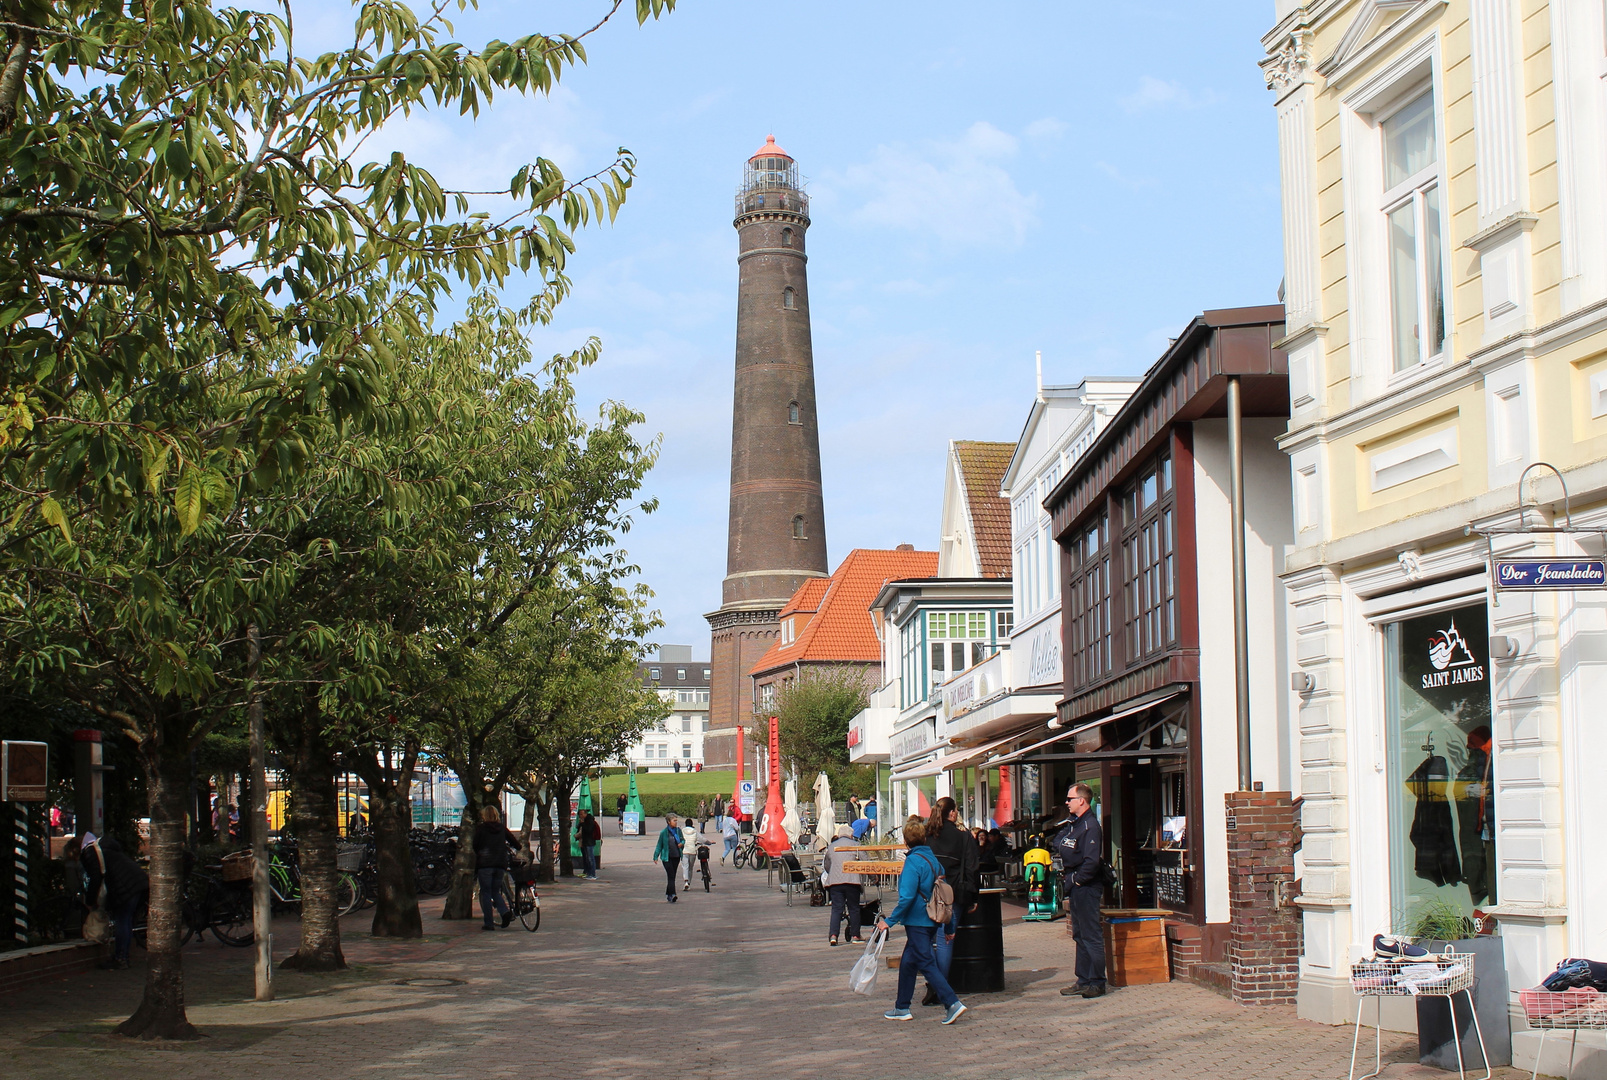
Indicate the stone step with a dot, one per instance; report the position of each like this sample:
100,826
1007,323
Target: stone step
1218,977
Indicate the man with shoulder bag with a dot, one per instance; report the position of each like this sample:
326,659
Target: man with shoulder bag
1081,845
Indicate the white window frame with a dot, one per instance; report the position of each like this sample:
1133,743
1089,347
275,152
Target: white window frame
1417,70
1414,192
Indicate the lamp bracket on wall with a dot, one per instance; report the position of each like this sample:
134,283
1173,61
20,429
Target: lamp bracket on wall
1524,528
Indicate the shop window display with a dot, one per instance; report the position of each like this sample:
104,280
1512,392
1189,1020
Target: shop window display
1440,763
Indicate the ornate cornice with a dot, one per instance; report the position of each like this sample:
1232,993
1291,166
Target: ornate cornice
1288,62
725,620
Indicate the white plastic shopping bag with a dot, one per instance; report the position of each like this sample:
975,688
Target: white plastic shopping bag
862,979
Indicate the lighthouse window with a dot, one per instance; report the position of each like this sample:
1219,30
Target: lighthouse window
798,528
793,416
786,237
789,299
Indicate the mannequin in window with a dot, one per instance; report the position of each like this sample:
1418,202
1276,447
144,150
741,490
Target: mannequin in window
1475,817
1432,833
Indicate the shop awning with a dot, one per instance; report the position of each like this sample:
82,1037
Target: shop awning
1117,715
959,759
915,772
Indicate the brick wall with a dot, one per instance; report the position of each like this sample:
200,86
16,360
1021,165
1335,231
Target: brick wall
1264,934
1185,947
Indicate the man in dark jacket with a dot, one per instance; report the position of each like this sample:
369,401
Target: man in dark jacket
591,834
117,882
1081,845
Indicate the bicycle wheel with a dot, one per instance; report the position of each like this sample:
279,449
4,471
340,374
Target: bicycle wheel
760,860
348,894
231,918
705,879
739,858
529,908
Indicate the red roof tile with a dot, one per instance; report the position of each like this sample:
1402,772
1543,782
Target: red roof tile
842,630
982,466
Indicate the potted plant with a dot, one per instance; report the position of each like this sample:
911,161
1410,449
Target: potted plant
1434,926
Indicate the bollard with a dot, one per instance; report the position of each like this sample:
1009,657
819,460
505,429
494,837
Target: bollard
19,871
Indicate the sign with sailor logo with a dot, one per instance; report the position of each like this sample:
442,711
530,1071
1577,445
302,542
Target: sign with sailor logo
1445,659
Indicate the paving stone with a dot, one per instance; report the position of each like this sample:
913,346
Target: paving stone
620,983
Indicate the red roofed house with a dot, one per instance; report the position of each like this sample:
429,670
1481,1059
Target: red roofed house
828,623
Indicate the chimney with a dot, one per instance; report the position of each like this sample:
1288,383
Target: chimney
905,547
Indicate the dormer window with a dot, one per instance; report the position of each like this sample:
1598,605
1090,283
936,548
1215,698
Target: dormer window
794,415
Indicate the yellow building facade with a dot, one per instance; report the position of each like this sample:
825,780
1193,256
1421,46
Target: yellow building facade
1444,179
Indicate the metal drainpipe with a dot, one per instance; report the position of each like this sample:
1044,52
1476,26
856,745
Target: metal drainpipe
1241,603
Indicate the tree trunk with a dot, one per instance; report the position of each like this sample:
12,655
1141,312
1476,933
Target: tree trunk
313,812
544,833
529,823
167,769
566,862
390,813
204,830
246,800
460,897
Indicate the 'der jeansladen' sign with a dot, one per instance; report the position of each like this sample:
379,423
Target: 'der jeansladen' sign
1550,574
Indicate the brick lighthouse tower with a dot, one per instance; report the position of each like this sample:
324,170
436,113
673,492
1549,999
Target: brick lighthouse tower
777,528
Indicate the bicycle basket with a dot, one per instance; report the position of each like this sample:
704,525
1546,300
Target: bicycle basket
240,866
349,857
523,875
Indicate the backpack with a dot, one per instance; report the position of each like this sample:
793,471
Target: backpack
940,905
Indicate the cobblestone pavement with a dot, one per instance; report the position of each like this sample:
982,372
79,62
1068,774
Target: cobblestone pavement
619,983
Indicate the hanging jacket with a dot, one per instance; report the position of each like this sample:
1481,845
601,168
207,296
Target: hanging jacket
1432,833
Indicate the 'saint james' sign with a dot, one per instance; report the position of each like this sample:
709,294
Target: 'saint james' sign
1550,574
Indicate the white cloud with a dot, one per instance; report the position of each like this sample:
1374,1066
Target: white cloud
958,190
1045,129
1153,93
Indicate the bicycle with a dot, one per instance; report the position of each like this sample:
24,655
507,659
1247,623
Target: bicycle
749,853
211,904
284,882
703,866
519,887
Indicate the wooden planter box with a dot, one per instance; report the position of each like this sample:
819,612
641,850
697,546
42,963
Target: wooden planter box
1135,946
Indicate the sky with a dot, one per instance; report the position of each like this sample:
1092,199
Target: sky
986,181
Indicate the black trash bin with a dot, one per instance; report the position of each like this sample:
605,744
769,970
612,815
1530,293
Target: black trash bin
978,966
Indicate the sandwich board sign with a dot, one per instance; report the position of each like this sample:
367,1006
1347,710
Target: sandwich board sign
24,771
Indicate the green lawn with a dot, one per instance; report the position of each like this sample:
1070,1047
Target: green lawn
709,782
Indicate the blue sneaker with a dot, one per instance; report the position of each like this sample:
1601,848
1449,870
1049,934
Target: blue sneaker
954,1012
897,1014
1386,947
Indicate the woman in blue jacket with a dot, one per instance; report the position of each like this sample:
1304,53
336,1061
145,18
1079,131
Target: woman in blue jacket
920,873
668,852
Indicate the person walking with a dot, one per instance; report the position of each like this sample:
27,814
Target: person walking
915,884
668,852
719,814
116,883
843,886
956,852
1081,846
591,835
493,843
689,835
619,808
702,814
732,833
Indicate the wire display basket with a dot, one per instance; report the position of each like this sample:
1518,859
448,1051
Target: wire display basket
349,857
1436,975
1564,1010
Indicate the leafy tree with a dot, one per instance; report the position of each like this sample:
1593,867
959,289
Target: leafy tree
812,713
196,272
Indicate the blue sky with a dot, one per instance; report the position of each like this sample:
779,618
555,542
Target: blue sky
986,181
